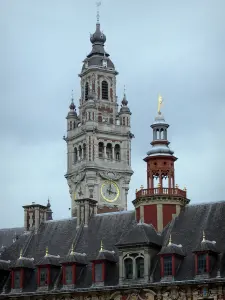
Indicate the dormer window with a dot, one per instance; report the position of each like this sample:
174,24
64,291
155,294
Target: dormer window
69,275
99,272
140,267
168,265
104,63
128,266
202,263
17,279
171,256
43,276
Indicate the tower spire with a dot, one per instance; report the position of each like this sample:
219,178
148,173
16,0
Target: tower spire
98,15
160,101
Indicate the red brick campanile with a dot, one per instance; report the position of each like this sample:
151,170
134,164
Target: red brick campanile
162,200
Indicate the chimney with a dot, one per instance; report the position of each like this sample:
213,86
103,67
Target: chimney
34,215
86,208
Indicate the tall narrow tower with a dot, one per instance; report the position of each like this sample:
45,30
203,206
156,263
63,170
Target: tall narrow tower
99,137
162,200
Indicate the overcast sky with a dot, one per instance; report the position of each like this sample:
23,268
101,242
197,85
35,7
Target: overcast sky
173,47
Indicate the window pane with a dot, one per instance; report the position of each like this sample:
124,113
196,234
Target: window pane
43,277
17,279
167,265
98,272
128,263
104,90
140,267
202,263
69,274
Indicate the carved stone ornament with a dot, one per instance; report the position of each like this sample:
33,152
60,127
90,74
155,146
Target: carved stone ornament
109,175
78,178
149,294
134,296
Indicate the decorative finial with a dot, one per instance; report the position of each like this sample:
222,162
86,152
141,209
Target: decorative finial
170,240
98,16
136,190
72,249
72,96
160,101
46,251
185,189
141,187
21,253
203,236
101,249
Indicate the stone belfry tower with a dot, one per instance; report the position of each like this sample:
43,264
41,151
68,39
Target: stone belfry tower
99,137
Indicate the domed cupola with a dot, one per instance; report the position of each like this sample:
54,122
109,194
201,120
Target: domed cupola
98,57
72,112
98,37
160,142
124,112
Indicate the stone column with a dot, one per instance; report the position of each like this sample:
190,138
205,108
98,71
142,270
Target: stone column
78,216
146,266
113,152
105,156
134,269
37,218
121,268
86,214
25,219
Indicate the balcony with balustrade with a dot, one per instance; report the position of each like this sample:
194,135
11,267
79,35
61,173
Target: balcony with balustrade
162,192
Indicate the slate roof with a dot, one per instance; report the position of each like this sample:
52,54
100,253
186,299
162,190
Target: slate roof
120,228
140,234
7,236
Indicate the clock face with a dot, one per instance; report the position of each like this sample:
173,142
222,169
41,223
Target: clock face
110,191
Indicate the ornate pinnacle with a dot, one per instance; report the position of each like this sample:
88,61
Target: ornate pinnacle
101,249
72,249
203,236
141,187
46,251
170,240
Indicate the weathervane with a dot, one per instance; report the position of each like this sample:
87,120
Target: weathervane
98,4
160,101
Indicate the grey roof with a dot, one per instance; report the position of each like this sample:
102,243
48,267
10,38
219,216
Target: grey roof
23,262
119,228
140,234
74,257
106,255
207,246
172,249
8,235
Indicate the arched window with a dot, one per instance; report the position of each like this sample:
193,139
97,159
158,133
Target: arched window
162,134
109,151
111,120
75,155
128,268
80,153
157,134
86,90
105,92
99,118
100,150
74,124
71,125
140,267
84,151
117,152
